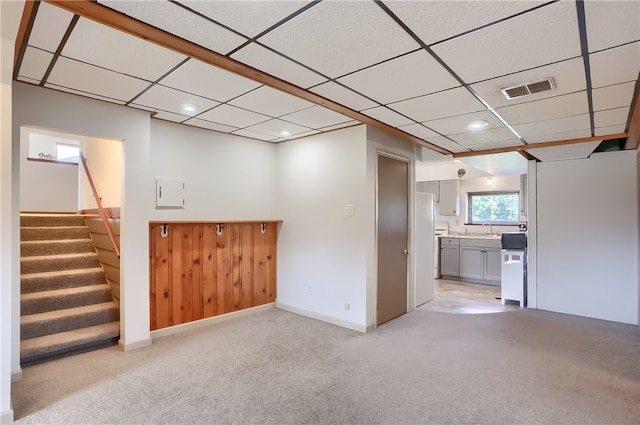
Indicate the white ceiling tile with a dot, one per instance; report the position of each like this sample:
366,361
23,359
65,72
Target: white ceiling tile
611,23
35,63
611,117
176,20
613,129
92,79
271,102
254,135
443,19
546,109
208,81
169,116
483,136
456,101
562,152
499,164
49,27
316,117
447,144
305,134
106,47
611,97
459,123
568,75
230,115
419,130
614,66
265,60
387,116
317,35
247,17
84,94
559,136
536,38
344,96
341,125
28,80
275,127
496,144
171,100
196,122
566,124
408,76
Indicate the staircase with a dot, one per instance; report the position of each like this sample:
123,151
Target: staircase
66,304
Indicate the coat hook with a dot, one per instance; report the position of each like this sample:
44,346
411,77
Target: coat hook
263,227
164,230
219,228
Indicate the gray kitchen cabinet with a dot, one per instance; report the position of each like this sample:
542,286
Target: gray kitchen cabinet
480,260
449,201
450,257
433,188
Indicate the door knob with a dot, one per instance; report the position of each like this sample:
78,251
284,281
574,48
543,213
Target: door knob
405,252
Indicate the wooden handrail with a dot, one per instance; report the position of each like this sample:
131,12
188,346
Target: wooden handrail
100,207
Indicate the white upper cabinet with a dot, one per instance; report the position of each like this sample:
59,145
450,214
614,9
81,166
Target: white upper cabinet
449,199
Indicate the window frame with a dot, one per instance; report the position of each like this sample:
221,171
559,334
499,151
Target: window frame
470,196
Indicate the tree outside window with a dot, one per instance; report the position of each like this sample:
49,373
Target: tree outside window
494,207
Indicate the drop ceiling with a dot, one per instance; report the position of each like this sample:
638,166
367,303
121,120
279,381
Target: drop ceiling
423,69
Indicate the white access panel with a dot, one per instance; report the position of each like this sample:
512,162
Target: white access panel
512,276
169,192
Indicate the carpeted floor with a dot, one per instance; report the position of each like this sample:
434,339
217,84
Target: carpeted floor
515,367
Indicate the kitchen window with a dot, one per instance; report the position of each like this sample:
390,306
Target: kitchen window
499,207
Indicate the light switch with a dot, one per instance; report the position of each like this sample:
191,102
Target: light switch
349,209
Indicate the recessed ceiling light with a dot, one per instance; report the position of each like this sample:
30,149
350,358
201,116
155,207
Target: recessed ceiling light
478,125
189,108
285,133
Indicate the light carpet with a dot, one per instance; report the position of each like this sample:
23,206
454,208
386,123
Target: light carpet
275,367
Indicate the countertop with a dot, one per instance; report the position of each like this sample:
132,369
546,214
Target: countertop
472,236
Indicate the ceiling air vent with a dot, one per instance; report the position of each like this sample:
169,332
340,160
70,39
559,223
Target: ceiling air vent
529,88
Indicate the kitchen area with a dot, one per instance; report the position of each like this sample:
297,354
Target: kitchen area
479,239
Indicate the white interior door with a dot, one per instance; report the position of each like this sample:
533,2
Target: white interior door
425,246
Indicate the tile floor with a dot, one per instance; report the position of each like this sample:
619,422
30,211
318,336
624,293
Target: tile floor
450,296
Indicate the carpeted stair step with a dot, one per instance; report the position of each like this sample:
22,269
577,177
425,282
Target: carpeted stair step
52,233
55,247
40,302
48,263
41,324
75,340
47,281
48,220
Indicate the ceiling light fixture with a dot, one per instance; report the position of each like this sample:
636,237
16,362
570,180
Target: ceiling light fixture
478,125
189,108
285,133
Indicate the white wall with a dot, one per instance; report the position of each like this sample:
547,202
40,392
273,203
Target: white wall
587,236
65,113
226,177
378,142
45,186
104,159
321,252
9,220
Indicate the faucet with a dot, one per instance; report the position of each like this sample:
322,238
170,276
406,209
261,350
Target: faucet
490,228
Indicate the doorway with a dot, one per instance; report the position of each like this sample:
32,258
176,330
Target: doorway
393,237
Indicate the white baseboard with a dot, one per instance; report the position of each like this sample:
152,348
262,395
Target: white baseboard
128,346
6,417
323,318
371,328
209,321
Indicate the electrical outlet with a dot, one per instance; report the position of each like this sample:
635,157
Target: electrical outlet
349,210
347,306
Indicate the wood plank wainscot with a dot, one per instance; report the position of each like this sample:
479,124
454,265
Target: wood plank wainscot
199,270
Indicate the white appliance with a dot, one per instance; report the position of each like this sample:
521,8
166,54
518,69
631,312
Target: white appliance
441,229
424,246
512,282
